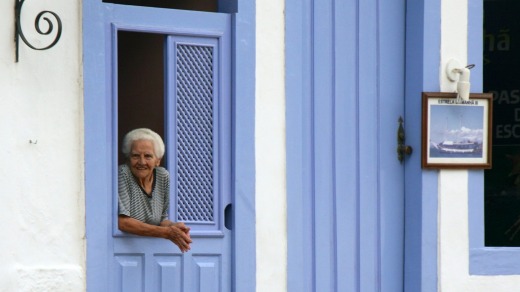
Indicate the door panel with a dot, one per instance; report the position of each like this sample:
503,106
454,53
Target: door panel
345,93
197,134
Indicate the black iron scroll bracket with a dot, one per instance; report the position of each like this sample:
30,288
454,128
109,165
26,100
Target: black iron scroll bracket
18,33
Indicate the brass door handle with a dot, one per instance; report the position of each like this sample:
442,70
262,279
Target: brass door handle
402,149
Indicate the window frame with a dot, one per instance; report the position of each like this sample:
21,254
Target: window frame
486,260
171,39
483,260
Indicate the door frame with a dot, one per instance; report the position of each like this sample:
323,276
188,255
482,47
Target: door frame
98,145
423,43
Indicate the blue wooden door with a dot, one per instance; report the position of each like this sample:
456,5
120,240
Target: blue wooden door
345,94
197,132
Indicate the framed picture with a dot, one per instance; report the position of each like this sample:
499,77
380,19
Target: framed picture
456,133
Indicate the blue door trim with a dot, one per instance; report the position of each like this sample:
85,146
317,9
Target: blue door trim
98,145
294,66
97,229
423,34
244,227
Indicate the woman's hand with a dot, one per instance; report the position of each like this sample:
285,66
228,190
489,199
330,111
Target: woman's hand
180,235
182,227
177,233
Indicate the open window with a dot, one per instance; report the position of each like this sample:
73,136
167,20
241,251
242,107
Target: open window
177,84
494,210
140,84
501,77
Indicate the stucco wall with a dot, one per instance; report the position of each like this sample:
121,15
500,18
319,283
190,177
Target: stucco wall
271,217
42,246
453,252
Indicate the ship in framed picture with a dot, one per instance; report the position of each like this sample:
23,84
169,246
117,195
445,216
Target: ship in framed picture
456,133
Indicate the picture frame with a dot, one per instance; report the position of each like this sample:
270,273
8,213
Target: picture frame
456,133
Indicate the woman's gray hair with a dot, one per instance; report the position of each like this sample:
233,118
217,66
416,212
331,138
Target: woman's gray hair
143,134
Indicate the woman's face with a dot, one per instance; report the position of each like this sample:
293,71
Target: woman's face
142,159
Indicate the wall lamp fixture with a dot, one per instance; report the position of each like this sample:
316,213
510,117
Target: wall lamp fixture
455,72
37,24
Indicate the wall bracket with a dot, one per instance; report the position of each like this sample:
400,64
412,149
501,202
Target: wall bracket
37,24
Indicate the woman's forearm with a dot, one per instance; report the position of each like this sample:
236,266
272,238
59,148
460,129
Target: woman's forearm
166,223
177,233
134,226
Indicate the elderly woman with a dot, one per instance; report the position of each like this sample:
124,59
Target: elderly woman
144,190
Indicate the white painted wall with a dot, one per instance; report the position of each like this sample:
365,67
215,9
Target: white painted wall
271,216
42,209
453,245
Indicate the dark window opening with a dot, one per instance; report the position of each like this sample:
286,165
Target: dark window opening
502,78
199,5
140,84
